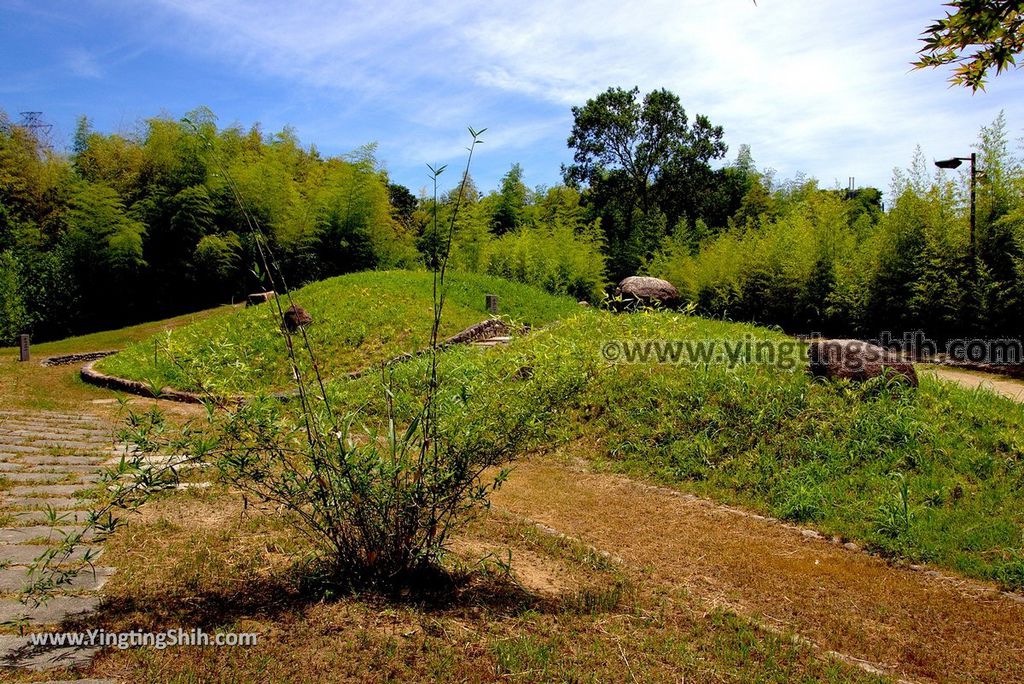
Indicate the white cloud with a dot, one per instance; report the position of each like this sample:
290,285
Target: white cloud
819,87
83,64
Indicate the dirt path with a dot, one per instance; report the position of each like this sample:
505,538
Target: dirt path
911,624
1014,389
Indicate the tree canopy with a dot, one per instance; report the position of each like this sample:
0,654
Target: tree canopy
644,167
975,37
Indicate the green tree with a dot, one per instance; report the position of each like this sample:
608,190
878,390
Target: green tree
643,165
13,314
510,209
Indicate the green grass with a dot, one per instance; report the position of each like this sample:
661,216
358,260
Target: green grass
833,456
115,339
932,475
359,319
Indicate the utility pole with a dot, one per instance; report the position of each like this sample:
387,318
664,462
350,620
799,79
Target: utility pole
955,162
974,183
40,130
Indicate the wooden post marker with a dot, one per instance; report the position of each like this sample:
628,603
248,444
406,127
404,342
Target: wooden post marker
23,344
492,304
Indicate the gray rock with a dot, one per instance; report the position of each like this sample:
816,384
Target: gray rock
258,298
644,290
856,360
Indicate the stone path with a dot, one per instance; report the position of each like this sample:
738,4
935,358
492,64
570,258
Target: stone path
48,462
1008,387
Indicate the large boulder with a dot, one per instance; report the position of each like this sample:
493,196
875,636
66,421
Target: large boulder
647,291
857,360
258,298
296,317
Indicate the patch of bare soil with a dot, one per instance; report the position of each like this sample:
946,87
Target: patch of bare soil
536,573
910,624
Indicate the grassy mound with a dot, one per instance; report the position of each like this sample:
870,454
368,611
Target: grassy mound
934,474
359,319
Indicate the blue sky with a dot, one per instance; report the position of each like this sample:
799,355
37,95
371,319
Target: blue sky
815,86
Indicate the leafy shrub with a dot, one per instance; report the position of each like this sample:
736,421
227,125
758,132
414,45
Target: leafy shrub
378,502
556,258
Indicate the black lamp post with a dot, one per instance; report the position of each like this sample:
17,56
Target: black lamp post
955,163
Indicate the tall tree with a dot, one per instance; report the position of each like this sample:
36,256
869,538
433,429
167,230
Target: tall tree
510,208
644,165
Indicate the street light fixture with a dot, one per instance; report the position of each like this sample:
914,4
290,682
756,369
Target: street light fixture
955,163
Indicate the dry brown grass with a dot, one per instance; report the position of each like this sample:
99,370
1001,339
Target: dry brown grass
202,559
913,624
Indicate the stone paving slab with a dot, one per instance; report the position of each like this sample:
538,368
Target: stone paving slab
62,455
29,428
19,426
20,535
49,415
19,652
62,460
23,554
58,468
17,578
53,612
42,502
34,430
64,517
17,444
33,476
9,450
47,489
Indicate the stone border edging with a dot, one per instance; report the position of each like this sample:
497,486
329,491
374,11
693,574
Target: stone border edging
90,375
68,359
94,377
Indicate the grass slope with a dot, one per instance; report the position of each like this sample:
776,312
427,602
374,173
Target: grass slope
115,339
934,474
835,456
27,385
359,319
